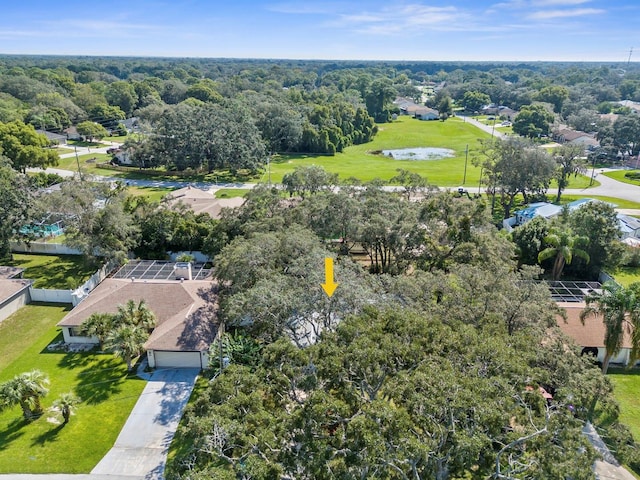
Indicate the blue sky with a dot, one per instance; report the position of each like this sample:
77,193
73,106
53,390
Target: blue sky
512,30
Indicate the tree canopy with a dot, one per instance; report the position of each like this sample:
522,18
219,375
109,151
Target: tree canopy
24,147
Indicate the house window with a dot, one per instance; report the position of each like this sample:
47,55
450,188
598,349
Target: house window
75,332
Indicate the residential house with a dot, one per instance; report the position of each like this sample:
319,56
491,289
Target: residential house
122,155
14,292
201,201
426,113
54,138
186,322
72,133
541,209
629,226
131,124
500,111
590,335
421,112
576,137
631,105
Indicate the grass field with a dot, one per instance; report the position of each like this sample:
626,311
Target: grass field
153,194
53,271
87,163
620,176
45,446
231,192
358,161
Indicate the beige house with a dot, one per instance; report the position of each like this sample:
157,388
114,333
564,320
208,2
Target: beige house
186,322
590,336
575,137
201,201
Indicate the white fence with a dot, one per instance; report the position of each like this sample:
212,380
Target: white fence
73,297
83,291
51,296
43,248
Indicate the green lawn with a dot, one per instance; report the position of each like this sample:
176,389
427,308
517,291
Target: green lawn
231,192
625,276
618,202
153,194
627,386
620,176
44,446
54,271
358,161
61,150
82,143
87,163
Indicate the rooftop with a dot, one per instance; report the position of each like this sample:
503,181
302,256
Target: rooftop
185,311
591,334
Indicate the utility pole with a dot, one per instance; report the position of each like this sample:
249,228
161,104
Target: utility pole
629,59
466,157
75,148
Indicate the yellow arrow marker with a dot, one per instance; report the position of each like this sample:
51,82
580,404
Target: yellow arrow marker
329,286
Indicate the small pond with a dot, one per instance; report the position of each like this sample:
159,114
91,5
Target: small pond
419,153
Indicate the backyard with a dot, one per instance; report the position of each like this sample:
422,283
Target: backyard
108,393
54,271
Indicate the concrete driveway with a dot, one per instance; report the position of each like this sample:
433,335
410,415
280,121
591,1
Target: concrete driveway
142,446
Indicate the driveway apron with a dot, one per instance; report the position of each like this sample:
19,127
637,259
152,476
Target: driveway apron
142,446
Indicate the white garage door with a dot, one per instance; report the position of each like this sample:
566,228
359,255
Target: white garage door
177,359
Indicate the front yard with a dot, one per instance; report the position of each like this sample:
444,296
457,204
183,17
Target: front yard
108,394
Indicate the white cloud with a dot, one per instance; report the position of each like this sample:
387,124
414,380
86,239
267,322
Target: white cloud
407,18
575,12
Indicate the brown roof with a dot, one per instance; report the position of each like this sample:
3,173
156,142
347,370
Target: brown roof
591,334
8,288
185,319
201,201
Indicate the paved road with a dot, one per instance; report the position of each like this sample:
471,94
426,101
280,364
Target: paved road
490,129
142,446
87,150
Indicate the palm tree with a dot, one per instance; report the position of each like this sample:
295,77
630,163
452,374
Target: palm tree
26,390
563,246
620,311
98,325
66,404
132,314
127,342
